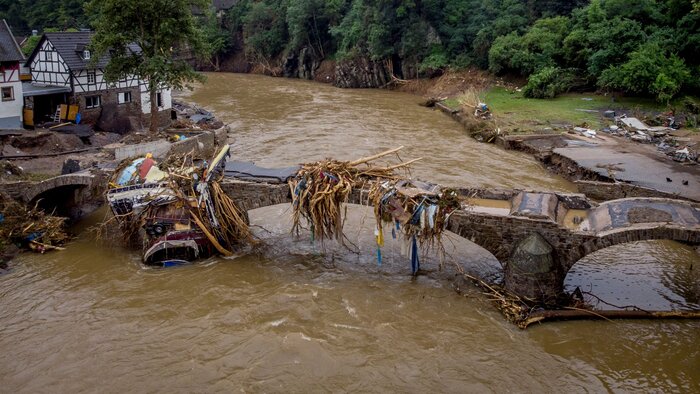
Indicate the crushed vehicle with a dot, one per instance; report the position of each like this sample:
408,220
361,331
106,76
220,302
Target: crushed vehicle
179,212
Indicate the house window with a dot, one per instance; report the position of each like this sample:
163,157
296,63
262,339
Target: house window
86,54
92,101
124,97
91,78
8,93
159,99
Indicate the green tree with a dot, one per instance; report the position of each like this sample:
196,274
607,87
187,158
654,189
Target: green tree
649,70
547,83
309,23
216,37
265,29
538,48
163,29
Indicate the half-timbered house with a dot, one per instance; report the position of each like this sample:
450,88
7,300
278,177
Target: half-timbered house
63,60
10,83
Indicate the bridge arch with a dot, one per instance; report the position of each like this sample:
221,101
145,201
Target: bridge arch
64,195
60,201
654,274
75,180
647,232
636,219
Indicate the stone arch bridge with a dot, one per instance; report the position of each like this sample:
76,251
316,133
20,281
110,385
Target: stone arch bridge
558,229
536,236
72,195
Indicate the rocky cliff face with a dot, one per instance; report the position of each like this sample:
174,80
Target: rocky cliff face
302,64
361,73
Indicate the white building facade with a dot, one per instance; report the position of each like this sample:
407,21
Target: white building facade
11,93
64,60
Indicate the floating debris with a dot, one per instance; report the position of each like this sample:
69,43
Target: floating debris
415,210
30,228
419,210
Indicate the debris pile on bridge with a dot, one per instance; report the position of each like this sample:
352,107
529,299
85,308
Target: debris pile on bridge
178,209
417,209
30,228
320,189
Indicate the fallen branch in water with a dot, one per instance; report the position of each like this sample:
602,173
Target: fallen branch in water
519,312
583,314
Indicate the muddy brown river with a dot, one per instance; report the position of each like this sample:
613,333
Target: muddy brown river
297,316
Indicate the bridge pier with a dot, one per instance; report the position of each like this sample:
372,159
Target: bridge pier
533,272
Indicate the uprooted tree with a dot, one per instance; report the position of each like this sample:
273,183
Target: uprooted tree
164,31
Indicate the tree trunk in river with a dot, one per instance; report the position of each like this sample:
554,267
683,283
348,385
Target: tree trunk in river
582,314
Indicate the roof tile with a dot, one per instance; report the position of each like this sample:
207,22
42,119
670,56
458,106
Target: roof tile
9,50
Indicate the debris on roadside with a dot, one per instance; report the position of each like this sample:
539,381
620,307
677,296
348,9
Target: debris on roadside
482,111
586,132
638,131
190,116
10,171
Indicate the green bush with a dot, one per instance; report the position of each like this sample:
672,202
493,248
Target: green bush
547,83
648,70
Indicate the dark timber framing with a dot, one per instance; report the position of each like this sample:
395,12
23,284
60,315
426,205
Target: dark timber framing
59,60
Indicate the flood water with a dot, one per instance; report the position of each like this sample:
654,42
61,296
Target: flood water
297,316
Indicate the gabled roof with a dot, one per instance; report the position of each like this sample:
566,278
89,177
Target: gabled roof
224,5
70,46
9,50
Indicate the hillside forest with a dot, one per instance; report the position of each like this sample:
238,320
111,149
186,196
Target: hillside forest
639,47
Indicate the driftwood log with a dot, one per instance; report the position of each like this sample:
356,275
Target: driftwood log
583,314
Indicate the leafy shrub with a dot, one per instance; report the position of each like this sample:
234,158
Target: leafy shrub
547,83
437,60
648,70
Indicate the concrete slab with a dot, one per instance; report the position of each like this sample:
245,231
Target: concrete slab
630,212
535,205
157,148
638,169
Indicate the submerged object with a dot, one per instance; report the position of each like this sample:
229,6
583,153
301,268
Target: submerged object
178,215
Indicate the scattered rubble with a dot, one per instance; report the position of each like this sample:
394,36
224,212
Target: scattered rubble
191,116
10,171
637,130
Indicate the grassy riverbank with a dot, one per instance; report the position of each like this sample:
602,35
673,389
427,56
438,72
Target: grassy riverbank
519,114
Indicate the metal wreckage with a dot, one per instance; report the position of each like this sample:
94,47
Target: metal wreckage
177,209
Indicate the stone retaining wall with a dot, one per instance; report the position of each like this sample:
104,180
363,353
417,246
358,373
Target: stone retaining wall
605,191
203,143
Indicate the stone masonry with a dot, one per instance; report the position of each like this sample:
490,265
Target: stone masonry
611,223
530,239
